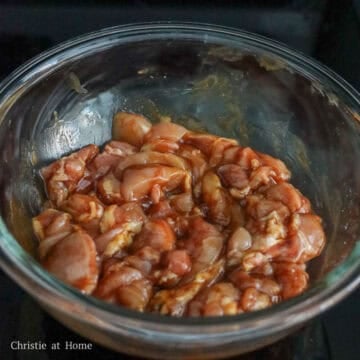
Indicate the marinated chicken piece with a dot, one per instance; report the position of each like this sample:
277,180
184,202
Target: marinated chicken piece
244,280
144,260
174,301
282,172
292,278
113,152
234,176
237,214
86,183
218,148
86,210
125,281
161,145
122,215
51,222
267,223
312,236
218,300
150,158
155,239
245,157
201,141
214,147
196,159
138,182
305,241
182,203
83,208
119,148
262,209
204,244
270,232
125,274
239,241
62,176
130,128
289,196
73,260
262,176
176,222
165,131
242,182
175,264
136,295
164,210
156,234
255,260
211,145
118,226
178,262
217,200
50,227
253,300
116,276
109,189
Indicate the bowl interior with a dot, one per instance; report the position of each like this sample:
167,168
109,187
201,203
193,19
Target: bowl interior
238,88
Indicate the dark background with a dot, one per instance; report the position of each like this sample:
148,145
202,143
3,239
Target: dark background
327,30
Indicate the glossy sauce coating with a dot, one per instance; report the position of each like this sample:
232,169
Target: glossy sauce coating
177,222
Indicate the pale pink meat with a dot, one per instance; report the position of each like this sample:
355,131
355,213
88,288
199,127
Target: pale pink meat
109,189
183,203
178,262
125,284
113,152
245,157
175,301
238,242
73,260
282,172
150,158
218,300
196,159
243,280
130,128
51,222
86,210
292,278
136,295
62,176
156,234
176,222
217,200
165,131
252,300
305,241
138,182
118,226
116,276
175,264
50,227
204,244
161,145
289,196
201,141
234,176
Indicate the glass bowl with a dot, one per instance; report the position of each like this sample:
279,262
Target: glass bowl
229,82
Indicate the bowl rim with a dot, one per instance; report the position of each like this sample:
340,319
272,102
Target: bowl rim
29,274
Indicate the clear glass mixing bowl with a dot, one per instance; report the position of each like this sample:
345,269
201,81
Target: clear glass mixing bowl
229,82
